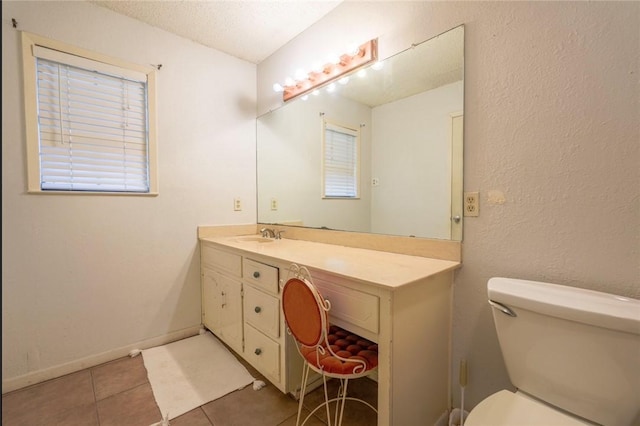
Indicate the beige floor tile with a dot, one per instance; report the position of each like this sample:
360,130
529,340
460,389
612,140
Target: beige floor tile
313,421
35,404
118,393
248,407
135,407
118,376
85,415
195,417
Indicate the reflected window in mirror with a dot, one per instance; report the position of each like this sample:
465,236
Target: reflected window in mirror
340,160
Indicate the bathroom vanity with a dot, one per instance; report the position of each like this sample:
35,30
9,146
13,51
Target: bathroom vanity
402,302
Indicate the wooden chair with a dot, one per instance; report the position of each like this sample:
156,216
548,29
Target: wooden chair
328,350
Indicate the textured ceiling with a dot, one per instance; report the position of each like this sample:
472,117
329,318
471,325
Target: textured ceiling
249,30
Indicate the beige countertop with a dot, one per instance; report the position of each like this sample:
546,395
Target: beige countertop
389,270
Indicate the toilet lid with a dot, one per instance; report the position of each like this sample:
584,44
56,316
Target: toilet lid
506,408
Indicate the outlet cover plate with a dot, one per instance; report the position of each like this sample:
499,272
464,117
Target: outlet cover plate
471,204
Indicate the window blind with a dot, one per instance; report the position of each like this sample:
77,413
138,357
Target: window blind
92,125
340,161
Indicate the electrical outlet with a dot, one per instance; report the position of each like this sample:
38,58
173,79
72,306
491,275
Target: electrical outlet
471,204
274,204
237,204
375,182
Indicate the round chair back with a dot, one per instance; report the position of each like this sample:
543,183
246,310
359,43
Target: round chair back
303,314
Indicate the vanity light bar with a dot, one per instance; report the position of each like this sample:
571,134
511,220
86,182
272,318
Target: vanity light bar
348,63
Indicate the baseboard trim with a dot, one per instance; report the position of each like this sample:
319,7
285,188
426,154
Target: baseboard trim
54,372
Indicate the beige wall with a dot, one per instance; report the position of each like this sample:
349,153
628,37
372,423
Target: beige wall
551,121
87,278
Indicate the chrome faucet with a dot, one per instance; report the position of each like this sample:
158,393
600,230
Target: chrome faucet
268,233
271,233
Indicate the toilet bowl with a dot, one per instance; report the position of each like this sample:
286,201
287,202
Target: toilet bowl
506,408
572,354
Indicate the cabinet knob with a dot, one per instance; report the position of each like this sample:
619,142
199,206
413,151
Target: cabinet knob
256,274
257,309
258,351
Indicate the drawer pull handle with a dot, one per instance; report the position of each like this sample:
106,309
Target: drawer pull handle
258,351
256,274
257,309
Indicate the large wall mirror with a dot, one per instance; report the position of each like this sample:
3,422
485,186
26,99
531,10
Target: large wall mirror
406,118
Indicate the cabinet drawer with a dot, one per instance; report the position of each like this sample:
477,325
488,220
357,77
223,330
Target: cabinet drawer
262,352
222,260
261,275
353,306
262,311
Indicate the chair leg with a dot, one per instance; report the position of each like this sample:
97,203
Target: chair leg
303,389
326,399
342,397
340,401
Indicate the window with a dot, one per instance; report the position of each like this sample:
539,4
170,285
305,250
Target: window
90,121
340,161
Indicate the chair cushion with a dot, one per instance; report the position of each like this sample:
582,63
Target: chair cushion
346,345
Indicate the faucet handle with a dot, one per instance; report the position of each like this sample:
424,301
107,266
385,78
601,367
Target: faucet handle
279,235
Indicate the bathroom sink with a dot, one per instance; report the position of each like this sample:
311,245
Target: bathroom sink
255,239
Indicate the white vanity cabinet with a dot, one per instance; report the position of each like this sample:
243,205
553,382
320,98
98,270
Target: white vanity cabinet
261,304
401,302
241,306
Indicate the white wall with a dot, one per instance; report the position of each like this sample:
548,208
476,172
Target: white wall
551,121
411,143
85,278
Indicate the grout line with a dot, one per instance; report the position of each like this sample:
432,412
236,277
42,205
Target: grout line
95,398
205,415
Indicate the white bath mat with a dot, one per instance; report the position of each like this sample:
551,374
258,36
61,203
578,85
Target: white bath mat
191,372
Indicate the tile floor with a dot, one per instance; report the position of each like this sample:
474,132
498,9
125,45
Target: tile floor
118,393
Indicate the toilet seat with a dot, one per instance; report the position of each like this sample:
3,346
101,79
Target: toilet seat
505,408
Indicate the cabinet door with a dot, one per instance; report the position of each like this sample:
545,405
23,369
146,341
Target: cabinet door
222,307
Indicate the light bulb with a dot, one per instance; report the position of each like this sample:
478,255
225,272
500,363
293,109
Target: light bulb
378,65
331,87
315,92
353,49
305,97
317,67
289,82
300,74
277,87
343,80
362,73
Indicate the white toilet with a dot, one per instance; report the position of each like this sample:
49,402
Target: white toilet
572,354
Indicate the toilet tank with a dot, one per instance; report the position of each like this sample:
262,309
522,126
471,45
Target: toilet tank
576,349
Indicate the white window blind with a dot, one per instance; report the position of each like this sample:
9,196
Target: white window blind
92,125
340,161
